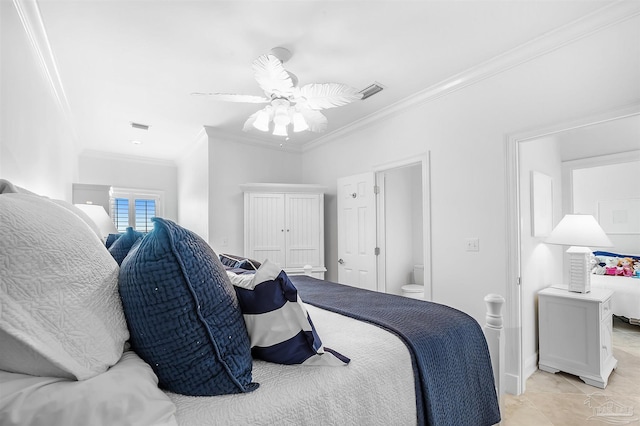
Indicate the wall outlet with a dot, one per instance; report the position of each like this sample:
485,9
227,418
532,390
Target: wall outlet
473,244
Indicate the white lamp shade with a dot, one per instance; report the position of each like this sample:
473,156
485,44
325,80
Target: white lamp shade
262,120
579,230
299,123
100,217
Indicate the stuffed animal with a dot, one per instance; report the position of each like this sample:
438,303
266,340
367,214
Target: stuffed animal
636,268
597,266
611,266
626,265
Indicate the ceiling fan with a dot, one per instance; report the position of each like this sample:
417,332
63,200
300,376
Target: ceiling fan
288,104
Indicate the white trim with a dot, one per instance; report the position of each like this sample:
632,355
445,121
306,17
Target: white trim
31,19
200,138
530,366
283,187
514,364
131,194
603,160
111,156
379,179
583,27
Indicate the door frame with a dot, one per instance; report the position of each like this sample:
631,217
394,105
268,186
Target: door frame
424,161
514,362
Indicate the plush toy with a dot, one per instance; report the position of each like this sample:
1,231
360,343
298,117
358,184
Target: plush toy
611,267
636,268
597,266
626,265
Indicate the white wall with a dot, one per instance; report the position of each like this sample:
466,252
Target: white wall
465,133
193,188
541,264
232,163
129,172
592,185
37,145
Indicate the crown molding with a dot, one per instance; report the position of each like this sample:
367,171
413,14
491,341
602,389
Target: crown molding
103,155
585,26
31,19
200,138
248,139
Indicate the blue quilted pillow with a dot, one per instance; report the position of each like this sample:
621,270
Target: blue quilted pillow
183,314
279,325
111,238
121,247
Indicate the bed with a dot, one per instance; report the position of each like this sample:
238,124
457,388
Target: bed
613,273
151,331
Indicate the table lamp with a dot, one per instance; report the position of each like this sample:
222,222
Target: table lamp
99,215
579,231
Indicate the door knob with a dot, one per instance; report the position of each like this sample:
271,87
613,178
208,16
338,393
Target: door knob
340,261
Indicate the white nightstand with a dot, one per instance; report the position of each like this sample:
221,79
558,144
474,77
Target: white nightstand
575,333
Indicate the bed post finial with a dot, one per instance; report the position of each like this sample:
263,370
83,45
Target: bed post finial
494,333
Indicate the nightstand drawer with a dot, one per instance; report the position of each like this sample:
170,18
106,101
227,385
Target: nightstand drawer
605,309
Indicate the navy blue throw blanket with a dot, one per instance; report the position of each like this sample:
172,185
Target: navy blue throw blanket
452,367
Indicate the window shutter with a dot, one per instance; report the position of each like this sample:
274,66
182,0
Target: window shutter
145,210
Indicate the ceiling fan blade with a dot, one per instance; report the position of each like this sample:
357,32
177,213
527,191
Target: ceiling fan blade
230,97
327,95
316,120
271,76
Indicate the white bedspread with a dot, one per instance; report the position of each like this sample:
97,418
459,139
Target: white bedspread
626,294
376,388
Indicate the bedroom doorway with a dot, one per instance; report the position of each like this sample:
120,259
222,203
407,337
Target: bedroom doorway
520,324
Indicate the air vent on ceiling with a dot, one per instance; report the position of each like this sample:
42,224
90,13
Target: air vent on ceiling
139,126
371,90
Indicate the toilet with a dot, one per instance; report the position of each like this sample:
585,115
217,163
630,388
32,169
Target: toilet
415,290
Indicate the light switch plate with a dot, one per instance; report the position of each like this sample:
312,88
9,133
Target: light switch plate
473,244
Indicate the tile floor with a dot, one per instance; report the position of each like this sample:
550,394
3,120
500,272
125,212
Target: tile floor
564,400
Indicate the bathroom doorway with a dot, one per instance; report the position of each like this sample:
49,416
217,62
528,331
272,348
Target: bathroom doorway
403,226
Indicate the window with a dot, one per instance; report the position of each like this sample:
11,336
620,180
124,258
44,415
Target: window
135,208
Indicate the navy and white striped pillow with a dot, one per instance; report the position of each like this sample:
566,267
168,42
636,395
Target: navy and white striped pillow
279,326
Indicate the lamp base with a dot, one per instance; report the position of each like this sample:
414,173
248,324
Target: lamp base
579,269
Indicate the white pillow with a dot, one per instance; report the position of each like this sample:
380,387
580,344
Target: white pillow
60,311
126,394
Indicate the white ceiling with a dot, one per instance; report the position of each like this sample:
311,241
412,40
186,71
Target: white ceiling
138,61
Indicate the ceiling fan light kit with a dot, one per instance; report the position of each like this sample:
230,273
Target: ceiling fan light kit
288,103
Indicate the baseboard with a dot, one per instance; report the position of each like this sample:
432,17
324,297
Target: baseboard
511,384
530,366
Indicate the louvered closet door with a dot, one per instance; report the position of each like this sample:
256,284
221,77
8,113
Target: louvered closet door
302,234
267,228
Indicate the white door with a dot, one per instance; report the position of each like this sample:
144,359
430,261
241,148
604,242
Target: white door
302,229
266,227
357,231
